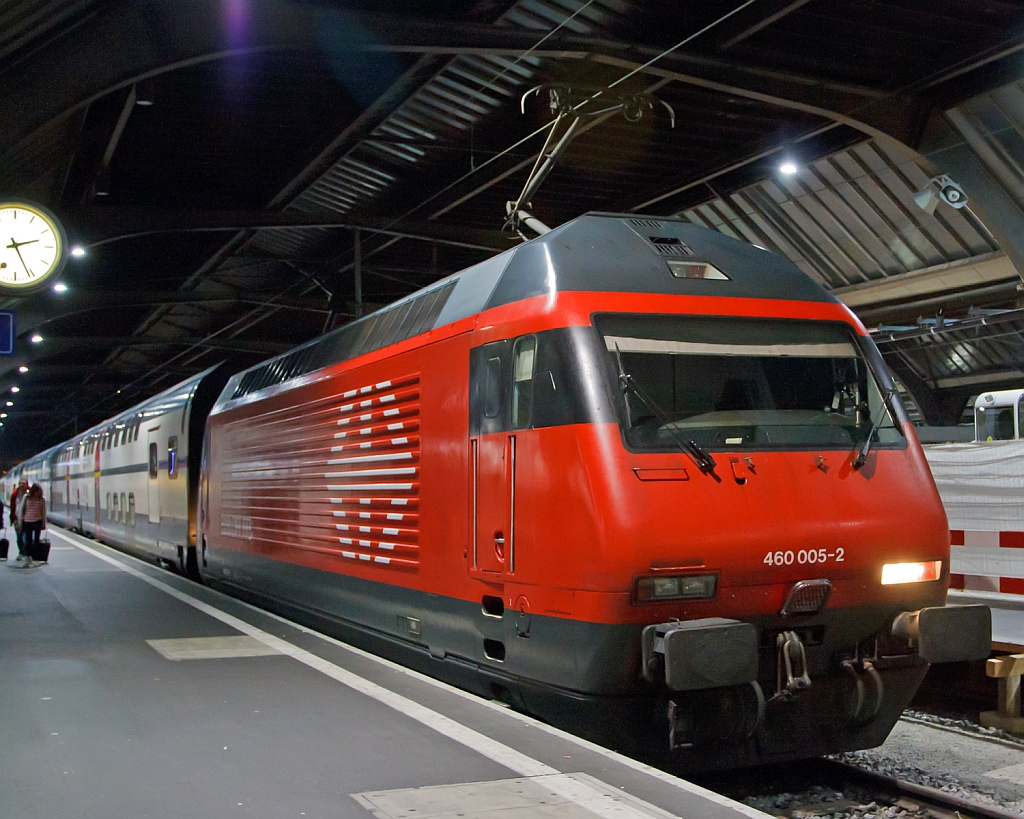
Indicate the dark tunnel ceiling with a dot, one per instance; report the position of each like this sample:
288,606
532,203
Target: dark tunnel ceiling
218,216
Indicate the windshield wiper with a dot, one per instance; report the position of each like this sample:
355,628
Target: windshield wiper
862,456
705,463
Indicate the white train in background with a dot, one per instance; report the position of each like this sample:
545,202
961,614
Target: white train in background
132,480
982,488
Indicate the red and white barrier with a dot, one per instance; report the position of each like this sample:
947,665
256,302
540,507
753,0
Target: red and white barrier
987,561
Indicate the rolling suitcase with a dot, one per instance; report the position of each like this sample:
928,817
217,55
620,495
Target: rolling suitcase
41,551
5,544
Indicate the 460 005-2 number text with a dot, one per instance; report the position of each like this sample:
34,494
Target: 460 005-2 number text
804,556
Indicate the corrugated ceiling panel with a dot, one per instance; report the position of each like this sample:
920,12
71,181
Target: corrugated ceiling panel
850,218
466,91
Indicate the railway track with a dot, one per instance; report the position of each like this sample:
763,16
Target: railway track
911,797
830,789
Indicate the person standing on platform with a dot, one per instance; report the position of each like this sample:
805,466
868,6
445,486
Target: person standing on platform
16,496
32,515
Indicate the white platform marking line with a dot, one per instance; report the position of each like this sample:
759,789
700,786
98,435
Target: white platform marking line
654,773
484,745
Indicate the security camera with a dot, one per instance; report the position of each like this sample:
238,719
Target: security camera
948,191
951,193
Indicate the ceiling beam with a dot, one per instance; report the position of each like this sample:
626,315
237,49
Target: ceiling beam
97,226
33,313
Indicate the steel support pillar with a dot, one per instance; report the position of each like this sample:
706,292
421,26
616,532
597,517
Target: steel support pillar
357,272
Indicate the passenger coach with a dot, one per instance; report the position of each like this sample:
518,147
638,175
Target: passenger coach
130,481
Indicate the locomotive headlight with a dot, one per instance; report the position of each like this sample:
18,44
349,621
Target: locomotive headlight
895,573
685,587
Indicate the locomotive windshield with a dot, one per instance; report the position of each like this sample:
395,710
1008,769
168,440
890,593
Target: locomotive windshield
726,383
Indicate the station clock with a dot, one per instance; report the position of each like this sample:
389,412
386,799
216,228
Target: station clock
32,246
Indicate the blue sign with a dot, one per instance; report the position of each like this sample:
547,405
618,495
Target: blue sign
6,332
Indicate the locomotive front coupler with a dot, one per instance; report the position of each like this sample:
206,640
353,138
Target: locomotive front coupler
947,634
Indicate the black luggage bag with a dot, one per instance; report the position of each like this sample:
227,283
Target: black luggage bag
5,544
40,551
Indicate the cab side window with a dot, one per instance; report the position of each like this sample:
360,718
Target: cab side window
172,457
154,461
524,359
492,387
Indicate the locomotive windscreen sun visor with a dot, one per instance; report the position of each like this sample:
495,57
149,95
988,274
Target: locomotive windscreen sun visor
697,654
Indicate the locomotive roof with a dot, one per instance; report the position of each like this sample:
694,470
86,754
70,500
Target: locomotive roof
599,252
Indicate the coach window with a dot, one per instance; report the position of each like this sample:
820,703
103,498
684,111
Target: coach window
124,508
131,508
523,358
115,513
172,457
124,435
154,461
109,506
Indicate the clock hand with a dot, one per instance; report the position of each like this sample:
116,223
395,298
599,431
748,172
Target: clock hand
15,245
17,250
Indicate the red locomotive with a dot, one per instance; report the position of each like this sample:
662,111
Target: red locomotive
633,476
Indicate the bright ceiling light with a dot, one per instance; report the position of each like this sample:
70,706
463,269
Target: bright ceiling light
60,287
15,389
77,251
10,403
22,369
36,338
788,168
3,414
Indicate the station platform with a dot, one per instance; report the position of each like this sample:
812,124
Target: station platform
128,691
1007,616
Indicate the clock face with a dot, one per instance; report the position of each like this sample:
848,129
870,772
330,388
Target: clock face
31,245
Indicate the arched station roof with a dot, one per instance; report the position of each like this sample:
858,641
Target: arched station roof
245,174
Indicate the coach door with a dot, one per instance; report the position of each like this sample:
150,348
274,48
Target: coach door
154,475
500,375
96,480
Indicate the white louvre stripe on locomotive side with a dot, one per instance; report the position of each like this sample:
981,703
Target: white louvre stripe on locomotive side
362,459
374,487
372,473
391,412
